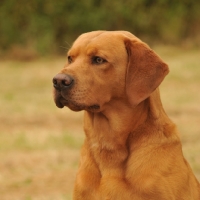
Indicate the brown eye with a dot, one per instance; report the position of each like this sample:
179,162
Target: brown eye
69,59
98,60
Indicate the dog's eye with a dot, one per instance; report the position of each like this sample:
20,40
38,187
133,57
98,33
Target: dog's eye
69,59
98,60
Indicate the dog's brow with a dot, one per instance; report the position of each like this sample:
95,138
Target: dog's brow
73,52
69,52
92,51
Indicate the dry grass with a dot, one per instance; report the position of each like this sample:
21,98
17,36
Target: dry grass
40,144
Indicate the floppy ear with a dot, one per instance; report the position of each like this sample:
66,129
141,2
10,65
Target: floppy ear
145,71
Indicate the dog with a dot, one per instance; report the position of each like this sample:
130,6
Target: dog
132,150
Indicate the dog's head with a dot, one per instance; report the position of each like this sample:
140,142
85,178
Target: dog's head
103,66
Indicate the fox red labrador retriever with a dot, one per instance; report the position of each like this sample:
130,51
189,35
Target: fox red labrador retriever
132,150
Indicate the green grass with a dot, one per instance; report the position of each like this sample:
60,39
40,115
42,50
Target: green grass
40,144
22,141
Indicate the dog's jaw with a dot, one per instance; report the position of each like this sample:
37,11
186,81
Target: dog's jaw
62,101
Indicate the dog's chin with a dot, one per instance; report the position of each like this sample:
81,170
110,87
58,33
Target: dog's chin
58,103
72,105
61,102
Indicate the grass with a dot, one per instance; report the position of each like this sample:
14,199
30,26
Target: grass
40,144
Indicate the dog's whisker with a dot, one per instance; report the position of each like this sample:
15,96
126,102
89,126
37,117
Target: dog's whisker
69,45
64,48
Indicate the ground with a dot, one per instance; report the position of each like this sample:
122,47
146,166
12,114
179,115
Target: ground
40,144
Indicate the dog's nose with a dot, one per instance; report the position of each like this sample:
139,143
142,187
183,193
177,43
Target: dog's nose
62,81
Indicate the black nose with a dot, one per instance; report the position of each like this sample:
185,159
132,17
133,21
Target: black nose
62,81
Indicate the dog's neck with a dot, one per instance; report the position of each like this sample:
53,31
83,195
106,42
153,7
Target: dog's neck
119,117
112,133
108,126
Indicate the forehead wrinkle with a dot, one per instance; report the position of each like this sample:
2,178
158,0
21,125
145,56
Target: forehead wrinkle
97,51
96,44
80,46
91,51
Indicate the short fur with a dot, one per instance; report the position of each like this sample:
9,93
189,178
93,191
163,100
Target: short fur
132,150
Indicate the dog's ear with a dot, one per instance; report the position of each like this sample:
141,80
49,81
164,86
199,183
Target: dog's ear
145,71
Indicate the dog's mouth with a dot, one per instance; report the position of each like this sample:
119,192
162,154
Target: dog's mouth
61,101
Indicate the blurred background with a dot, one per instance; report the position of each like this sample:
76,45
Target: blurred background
39,143
43,27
